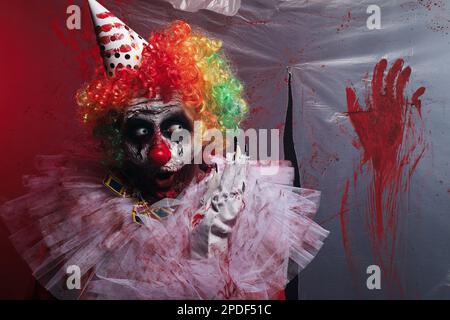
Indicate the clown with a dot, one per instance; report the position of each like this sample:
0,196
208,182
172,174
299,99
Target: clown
159,226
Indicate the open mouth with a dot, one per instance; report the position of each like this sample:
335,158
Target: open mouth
164,175
164,179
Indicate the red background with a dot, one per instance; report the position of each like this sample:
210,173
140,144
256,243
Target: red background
42,65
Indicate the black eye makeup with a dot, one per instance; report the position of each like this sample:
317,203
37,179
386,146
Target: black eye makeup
175,122
139,130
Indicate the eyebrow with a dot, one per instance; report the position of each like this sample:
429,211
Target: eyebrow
149,110
145,102
158,109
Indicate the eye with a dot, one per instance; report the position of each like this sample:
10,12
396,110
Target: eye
174,123
174,128
171,128
141,132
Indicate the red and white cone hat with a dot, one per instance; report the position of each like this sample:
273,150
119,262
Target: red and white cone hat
120,46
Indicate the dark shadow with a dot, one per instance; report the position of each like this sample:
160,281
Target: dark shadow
290,155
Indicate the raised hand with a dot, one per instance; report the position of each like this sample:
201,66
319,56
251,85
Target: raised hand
221,205
380,126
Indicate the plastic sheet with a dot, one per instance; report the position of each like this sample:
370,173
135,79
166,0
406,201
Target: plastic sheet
226,7
327,46
323,47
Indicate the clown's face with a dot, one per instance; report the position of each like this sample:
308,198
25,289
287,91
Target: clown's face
155,163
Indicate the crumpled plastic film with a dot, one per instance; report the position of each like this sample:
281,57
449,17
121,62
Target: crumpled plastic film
226,7
327,47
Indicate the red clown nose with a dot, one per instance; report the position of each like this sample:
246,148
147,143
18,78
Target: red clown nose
159,154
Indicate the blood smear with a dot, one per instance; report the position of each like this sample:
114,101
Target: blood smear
392,144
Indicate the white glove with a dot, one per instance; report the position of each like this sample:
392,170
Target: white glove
221,204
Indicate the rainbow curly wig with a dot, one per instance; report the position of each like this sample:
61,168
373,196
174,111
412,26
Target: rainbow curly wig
178,62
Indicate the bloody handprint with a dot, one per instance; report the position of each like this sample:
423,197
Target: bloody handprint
390,141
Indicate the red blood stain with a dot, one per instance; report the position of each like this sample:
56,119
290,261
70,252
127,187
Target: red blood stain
256,110
320,159
390,143
346,20
416,162
437,22
171,194
431,4
415,99
197,219
342,218
281,295
280,126
105,15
